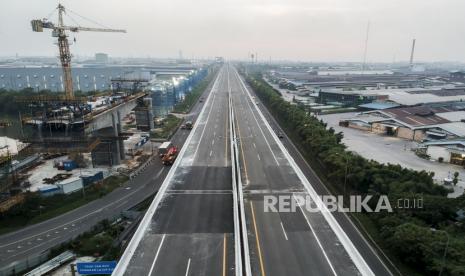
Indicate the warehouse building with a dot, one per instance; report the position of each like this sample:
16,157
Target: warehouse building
448,151
412,123
403,97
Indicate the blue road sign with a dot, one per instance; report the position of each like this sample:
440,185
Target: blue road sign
96,268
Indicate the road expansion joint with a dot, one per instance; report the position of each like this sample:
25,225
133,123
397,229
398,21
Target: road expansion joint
272,191
199,192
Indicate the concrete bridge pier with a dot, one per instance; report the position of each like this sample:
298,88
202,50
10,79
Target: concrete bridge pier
116,125
121,142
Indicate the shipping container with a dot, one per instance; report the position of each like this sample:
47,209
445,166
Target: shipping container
89,179
69,165
49,190
70,185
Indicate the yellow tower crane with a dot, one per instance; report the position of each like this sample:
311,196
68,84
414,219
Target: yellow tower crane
59,31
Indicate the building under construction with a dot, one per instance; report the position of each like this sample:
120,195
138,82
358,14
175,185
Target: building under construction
65,123
55,123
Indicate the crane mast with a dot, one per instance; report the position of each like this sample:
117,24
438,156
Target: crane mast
65,56
59,31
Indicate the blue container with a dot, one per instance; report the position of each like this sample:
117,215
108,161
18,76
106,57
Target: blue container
49,191
69,165
91,179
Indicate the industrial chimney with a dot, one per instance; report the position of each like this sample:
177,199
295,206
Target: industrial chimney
412,53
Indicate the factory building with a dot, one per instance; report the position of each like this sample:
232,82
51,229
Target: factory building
403,97
417,123
101,58
349,98
448,151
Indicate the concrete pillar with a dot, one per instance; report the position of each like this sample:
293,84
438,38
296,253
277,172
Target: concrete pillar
39,130
121,142
117,142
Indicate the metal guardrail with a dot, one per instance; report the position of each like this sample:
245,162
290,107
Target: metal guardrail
241,233
147,219
17,267
352,251
239,257
142,167
52,264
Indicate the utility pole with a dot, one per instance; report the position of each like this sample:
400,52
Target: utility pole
73,269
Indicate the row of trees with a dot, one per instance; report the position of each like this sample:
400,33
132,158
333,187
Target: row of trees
410,237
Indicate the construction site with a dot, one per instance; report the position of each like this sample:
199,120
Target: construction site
70,140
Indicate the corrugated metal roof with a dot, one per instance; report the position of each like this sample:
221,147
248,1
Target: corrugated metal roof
445,142
453,116
368,118
456,128
418,115
379,105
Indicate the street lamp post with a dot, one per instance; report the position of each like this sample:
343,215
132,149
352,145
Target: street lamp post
346,171
445,253
445,249
345,174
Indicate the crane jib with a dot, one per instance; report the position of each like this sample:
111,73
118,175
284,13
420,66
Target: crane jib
58,30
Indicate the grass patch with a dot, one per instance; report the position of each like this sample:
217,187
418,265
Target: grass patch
36,208
169,126
98,242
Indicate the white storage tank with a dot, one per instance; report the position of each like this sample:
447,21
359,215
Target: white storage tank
70,185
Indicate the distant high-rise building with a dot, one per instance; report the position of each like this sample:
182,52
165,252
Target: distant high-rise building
101,58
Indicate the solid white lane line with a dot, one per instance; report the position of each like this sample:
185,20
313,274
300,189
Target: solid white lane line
147,219
29,249
258,124
284,231
188,266
159,173
156,255
206,123
316,237
350,248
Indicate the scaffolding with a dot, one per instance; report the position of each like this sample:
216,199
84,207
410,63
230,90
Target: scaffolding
65,145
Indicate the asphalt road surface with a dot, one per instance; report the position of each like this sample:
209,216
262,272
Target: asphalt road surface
191,228
32,240
289,243
191,231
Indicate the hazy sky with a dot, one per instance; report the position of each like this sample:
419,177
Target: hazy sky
313,30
